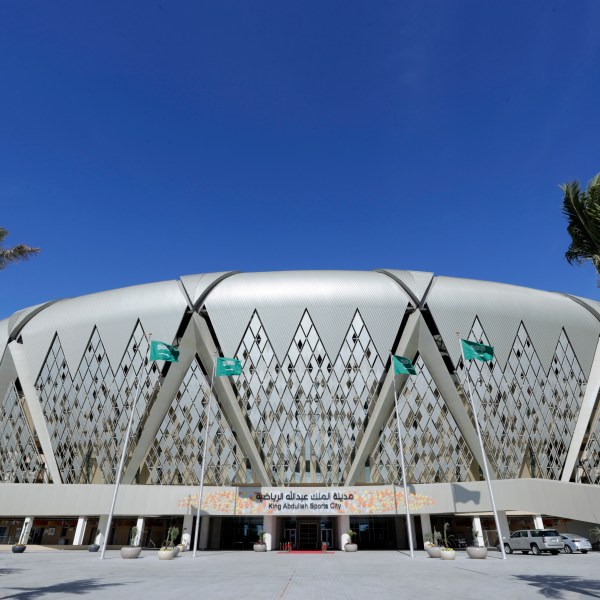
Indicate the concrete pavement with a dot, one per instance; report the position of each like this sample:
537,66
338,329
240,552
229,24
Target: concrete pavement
221,575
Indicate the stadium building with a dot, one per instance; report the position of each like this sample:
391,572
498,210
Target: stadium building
304,444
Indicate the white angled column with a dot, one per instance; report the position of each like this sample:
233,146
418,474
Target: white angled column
504,527
79,531
425,526
344,525
269,531
538,522
204,530
477,529
186,534
102,523
27,525
140,531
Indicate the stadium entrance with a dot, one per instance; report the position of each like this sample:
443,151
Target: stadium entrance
308,533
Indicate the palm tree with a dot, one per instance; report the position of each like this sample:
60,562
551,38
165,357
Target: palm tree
582,210
10,255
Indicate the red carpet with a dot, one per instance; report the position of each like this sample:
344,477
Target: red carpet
306,552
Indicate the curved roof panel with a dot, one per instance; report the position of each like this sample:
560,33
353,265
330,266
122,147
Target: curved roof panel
159,306
416,282
331,298
3,336
500,308
197,285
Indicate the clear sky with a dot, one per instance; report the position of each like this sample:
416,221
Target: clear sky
141,141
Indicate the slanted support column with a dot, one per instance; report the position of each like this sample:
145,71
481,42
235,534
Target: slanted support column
186,535
140,531
344,525
102,523
269,531
425,526
27,525
204,529
538,522
35,409
79,531
476,527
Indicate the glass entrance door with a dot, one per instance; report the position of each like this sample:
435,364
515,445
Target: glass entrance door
327,537
308,535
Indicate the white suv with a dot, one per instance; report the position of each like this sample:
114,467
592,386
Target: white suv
535,541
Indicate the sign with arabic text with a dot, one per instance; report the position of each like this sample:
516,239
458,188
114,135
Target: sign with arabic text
360,500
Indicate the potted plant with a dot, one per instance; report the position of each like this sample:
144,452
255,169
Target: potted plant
260,545
475,550
168,550
432,544
131,550
447,553
350,546
595,535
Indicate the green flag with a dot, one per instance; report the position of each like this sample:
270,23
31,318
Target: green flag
403,366
228,366
476,351
162,351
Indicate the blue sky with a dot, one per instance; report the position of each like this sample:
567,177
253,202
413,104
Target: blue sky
141,141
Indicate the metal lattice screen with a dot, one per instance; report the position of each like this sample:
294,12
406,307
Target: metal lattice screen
308,412
87,414
175,456
528,414
20,461
434,449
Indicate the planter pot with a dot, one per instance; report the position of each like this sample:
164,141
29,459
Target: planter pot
351,547
17,549
447,554
166,554
476,551
93,548
433,551
131,551
260,547
181,547
177,550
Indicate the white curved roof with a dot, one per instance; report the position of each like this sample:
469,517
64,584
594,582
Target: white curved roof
160,306
330,297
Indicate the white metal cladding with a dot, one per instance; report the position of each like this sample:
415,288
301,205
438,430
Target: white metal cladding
454,304
331,297
196,285
21,316
416,281
3,336
160,306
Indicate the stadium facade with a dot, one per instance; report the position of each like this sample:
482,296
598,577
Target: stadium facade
304,443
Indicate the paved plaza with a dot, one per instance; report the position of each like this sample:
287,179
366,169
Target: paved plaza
54,574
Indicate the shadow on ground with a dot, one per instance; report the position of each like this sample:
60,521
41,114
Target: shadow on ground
554,586
78,588
9,571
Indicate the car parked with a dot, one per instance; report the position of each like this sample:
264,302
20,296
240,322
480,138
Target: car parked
574,543
535,541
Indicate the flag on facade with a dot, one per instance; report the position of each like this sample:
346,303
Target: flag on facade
403,366
162,351
476,351
228,366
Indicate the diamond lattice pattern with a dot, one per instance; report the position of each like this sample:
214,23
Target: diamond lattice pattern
175,456
530,415
87,415
434,449
20,461
308,413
